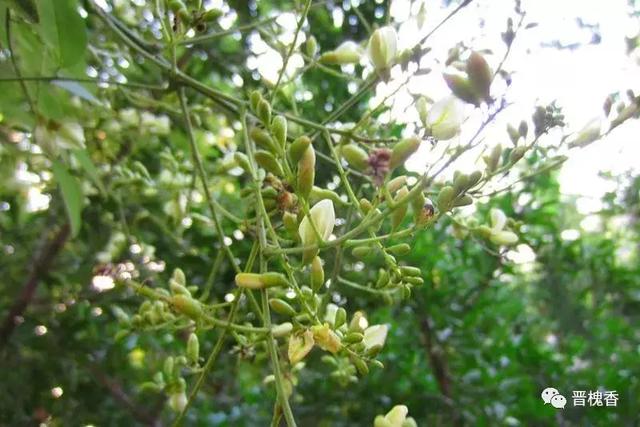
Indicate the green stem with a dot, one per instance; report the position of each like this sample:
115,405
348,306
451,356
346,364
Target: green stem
203,179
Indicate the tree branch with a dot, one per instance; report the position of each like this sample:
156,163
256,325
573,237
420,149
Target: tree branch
39,267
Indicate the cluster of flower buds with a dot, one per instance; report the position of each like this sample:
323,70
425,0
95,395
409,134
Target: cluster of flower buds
454,195
192,18
475,87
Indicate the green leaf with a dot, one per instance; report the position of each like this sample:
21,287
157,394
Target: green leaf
86,163
64,30
71,194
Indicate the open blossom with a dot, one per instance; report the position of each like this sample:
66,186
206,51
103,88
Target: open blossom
375,336
444,118
324,218
383,47
68,135
499,235
396,417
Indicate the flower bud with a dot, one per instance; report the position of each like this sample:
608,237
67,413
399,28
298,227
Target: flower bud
463,200
324,218
272,279
264,112
361,252
290,222
445,198
249,280
407,270
178,277
445,118
423,109
400,211
317,274
383,46
178,401
281,330
263,140
255,99
403,150
365,205
396,183
494,158
361,366
417,205
306,172
299,346
243,161
353,338
517,153
177,289
523,129
474,178
480,75
318,194
268,162
311,47
397,415
211,15
187,306
193,349
399,249
298,148
347,53
358,322
461,88
326,338
279,130
355,156
341,318
503,237
282,307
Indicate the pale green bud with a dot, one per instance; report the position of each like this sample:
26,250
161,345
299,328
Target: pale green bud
193,349
347,53
306,172
355,156
279,130
282,330
317,274
383,47
403,150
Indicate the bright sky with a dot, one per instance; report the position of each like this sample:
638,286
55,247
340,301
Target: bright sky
578,79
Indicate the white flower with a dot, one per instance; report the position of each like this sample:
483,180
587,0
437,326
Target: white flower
155,124
444,118
383,47
396,417
69,135
129,116
324,218
330,314
498,219
499,235
375,336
